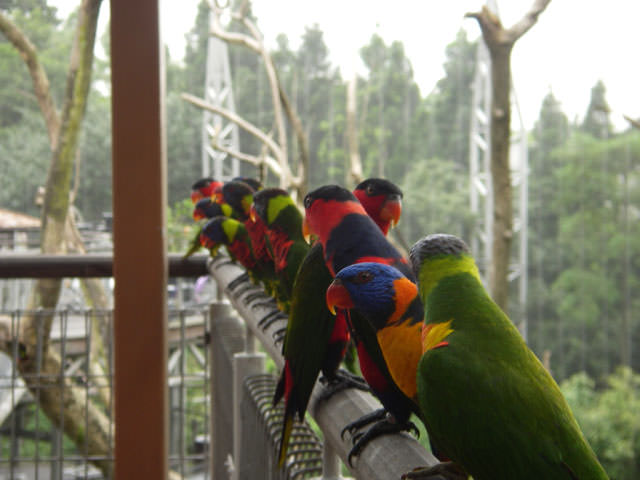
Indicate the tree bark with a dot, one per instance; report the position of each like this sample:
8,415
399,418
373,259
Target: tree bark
500,42
39,77
354,171
40,366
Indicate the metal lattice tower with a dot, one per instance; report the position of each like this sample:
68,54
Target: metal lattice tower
218,91
481,188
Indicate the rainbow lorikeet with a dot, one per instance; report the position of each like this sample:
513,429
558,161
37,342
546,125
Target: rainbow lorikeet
485,398
316,339
382,201
205,208
231,233
309,345
390,303
348,236
285,242
203,188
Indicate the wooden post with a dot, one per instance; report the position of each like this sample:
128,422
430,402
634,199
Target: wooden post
139,227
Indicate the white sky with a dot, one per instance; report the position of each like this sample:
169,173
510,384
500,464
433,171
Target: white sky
574,44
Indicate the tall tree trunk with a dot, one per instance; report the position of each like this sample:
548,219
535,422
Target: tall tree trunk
41,368
500,42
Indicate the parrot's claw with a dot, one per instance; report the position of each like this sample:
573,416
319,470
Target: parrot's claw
367,419
264,303
278,335
253,296
341,381
233,284
354,380
440,471
245,288
266,321
382,427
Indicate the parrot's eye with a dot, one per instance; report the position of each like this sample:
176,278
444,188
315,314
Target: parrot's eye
370,190
362,277
307,202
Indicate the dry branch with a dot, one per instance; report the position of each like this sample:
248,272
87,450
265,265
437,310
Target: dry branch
634,123
354,175
39,77
279,97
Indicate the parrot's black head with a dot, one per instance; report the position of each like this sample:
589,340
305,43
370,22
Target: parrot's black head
252,182
213,233
373,187
436,245
238,195
206,208
262,198
203,182
329,192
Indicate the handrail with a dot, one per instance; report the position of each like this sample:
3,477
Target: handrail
88,265
385,457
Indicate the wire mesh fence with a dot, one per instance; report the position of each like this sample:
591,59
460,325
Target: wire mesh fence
56,419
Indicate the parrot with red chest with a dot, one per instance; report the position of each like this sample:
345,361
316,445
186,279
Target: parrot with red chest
285,243
239,196
349,236
203,188
316,339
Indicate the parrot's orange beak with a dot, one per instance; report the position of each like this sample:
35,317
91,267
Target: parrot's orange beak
196,196
338,296
392,210
252,214
306,231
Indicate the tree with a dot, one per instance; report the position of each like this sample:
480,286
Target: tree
41,373
500,42
551,131
596,120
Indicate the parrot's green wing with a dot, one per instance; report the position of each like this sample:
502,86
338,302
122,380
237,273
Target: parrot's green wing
307,339
486,399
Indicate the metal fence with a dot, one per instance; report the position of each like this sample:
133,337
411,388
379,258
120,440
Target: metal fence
32,446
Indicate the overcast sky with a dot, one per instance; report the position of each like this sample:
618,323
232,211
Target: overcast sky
574,44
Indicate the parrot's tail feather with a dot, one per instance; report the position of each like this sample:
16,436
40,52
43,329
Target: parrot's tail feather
284,440
277,395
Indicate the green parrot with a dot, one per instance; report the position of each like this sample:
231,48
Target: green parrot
285,242
485,398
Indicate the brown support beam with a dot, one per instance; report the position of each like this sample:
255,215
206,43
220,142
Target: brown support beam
139,227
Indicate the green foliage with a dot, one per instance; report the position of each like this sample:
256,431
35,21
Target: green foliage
436,200
180,226
610,419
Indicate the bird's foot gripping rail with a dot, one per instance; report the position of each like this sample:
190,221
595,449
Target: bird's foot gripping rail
385,457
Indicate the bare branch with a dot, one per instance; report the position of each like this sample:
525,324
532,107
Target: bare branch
38,76
241,122
276,90
267,160
354,175
234,38
634,123
530,18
